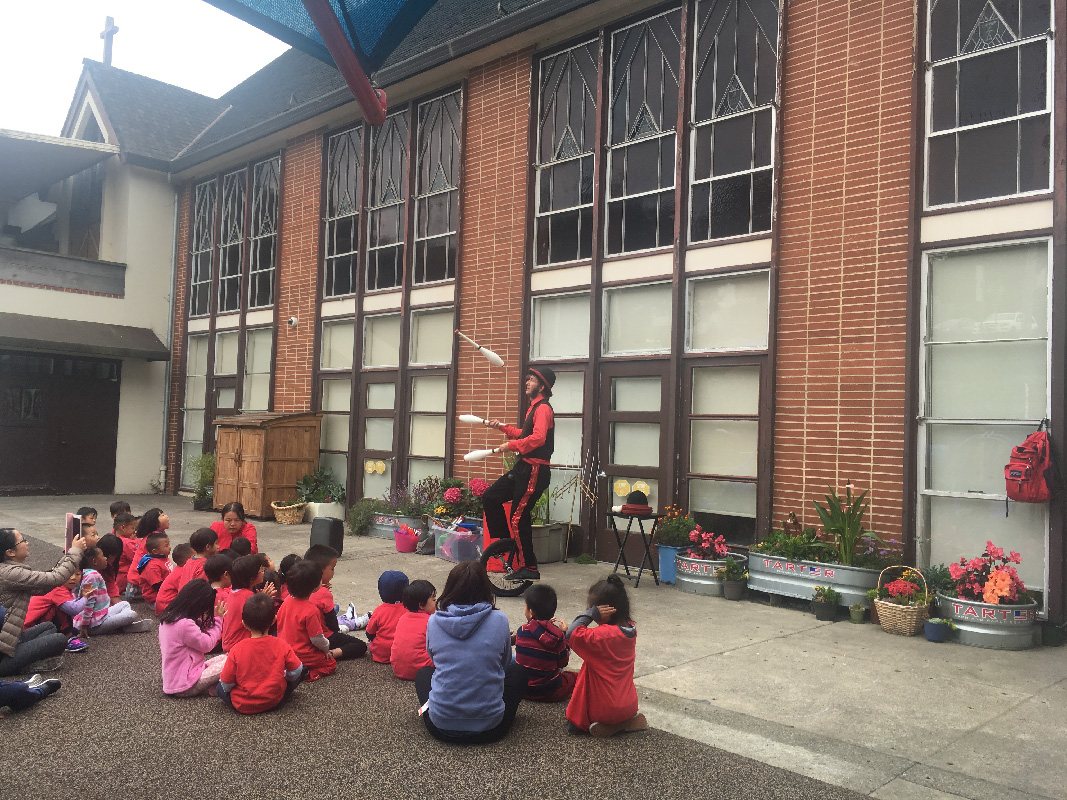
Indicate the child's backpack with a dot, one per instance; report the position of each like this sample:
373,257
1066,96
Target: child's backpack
1031,475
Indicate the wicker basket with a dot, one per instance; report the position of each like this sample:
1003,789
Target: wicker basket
902,620
289,514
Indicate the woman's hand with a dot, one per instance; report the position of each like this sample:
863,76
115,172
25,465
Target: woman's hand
79,542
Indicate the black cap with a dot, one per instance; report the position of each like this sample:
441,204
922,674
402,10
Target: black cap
544,374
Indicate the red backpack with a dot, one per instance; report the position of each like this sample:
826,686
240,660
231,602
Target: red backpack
1031,475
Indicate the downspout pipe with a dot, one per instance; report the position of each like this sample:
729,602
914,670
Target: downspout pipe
170,336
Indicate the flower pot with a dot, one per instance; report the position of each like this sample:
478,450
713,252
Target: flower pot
855,615
405,542
697,575
383,524
776,575
825,612
335,510
996,627
936,631
549,542
874,615
733,590
667,557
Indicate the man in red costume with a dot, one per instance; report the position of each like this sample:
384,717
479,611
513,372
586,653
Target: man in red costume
528,479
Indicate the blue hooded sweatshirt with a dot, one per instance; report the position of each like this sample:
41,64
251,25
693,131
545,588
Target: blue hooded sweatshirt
470,647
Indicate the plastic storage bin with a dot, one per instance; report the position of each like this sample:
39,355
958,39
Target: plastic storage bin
456,546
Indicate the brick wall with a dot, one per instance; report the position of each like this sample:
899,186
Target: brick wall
297,271
843,255
177,348
491,259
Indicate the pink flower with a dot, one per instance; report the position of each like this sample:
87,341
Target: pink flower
1015,558
993,551
478,486
694,536
955,571
453,495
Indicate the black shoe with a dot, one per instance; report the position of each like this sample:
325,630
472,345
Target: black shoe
50,686
526,574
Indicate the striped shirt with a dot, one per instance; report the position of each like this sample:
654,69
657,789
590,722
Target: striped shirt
542,648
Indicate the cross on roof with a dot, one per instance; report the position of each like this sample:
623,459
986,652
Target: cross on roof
107,34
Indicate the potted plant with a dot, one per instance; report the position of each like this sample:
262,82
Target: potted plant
361,515
325,497
202,472
991,606
855,613
824,602
672,534
549,538
697,565
903,605
404,505
734,577
872,595
937,629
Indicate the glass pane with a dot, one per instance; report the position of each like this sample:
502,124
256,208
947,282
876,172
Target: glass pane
732,145
988,87
337,345
987,161
226,353
381,395
376,484
961,527
258,350
337,395
636,394
999,380
190,450
729,313
334,432
378,433
256,392
941,177
568,441
560,327
970,458
419,468
431,337
726,390
381,345
1035,144
731,498
724,447
193,430
197,362
429,393
195,392
635,443
629,483
337,463
227,398
427,436
568,394
638,319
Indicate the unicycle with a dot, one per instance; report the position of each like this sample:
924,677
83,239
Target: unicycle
505,552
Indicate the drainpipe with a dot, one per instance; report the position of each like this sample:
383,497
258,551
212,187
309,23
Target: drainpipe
170,338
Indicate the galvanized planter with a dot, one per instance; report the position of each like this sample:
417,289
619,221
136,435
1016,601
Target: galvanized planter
383,525
776,575
697,575
994,627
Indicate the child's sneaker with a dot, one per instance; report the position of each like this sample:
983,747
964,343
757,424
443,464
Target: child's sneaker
140,626
75,645
48,664
601,730
34,681
47,687
361,622
351,611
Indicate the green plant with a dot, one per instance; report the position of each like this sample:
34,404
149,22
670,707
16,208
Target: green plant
674,528
942,621
539,514
905,590
856,607
826,594
584,558
320,487
938,580
202,473
732,570
795,543
872,595
362,514
844,522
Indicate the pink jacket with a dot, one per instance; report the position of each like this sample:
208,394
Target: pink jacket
183,645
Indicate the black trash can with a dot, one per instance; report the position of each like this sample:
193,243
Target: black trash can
329,531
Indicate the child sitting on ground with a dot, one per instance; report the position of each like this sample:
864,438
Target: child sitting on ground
111,546
99,616
88,516
205,544
124,526
241,546
325,557
541,647
119,507
217,574
245,573
408,654
188,629
155,519
604,701
154,566
382,626
169,590
261,671
60,608
283,569
300,622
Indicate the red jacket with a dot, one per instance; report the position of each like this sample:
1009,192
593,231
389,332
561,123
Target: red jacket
408,654
605,690
382,627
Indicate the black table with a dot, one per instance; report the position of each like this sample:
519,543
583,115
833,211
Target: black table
646,540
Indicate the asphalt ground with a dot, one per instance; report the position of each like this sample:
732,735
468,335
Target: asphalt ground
111,732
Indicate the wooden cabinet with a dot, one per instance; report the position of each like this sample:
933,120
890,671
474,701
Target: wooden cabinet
260,457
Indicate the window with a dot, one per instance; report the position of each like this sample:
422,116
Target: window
377,447
729,312
231,237
643,114
336,405
984,374
387,202
258,353
344,174
568,399
437,171
226,343
336,351
735,74
263,236
637,319
566,135
560,326
989,99
195,399
381,340
202,248
427,427
431,337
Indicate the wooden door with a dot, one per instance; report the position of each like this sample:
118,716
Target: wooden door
250,470
227,453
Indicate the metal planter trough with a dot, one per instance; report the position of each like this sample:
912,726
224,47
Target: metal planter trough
383,525
697,575
994,627
776,575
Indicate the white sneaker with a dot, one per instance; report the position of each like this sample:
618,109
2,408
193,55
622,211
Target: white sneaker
351,612
343,629
140,626
34,681
361,622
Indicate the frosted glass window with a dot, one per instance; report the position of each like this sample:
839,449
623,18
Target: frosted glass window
258,351
196,371
990,293
256,392
419,468
226,353
635,443
726,390
560,327
337,345
427,436
378,433
636,394
729,313
630,481
637,319
730,498
337,463
568,441
375,485
432,334
429,393
381,341
190,450
723,447
992,380
194,426
569,393
970,458
227,398
962,526
337,395
195,391
333,434
381,395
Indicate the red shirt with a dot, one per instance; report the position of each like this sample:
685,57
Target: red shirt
409,654
258,667
298,622
233,631
248,530
169,590
193,569
383,628
323,598
543,420
132,575
129,547
44,607
153,575
605,690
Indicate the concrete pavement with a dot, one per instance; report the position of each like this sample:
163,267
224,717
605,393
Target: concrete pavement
886,716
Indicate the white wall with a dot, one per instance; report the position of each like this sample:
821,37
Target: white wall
138,455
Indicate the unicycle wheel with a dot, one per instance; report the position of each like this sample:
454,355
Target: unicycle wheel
503,584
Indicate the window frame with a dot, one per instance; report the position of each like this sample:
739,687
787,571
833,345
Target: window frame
687,310
357,217
454,189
